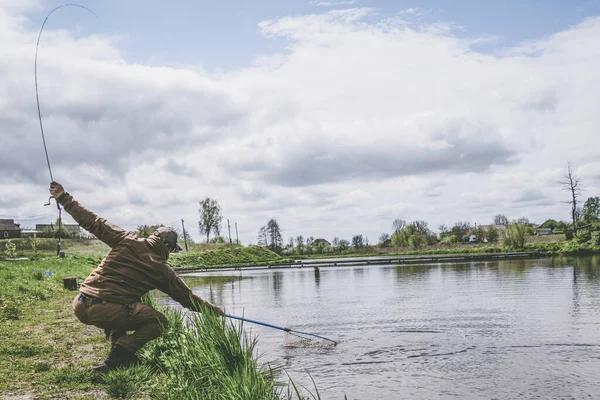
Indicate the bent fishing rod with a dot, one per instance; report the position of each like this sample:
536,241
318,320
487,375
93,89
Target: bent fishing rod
279,327
37,97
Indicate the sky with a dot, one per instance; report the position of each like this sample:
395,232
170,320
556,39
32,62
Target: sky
333,117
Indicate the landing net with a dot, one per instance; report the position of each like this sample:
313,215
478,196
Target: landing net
298,340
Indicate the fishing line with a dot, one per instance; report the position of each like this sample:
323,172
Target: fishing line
37,97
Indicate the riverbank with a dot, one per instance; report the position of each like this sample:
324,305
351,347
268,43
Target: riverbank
46,353
447,255
549,248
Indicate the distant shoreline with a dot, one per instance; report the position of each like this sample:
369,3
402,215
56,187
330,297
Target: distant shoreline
384,260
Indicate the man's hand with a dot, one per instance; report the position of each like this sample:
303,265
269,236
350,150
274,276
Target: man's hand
56,189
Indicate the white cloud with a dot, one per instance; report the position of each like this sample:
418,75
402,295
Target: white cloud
333,3
355,124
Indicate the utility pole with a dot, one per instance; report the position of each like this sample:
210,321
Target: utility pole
229,229
237,239
184,237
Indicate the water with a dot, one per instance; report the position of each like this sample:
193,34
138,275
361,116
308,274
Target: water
487,330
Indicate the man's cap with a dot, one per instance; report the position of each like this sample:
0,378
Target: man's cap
169,237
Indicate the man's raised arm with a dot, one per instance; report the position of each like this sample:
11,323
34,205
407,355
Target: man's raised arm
99,227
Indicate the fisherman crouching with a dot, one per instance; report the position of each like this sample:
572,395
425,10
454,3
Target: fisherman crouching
109,297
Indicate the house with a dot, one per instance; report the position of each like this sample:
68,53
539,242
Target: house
543,231
321,241
73,229
9,230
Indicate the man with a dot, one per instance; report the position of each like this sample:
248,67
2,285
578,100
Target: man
110,297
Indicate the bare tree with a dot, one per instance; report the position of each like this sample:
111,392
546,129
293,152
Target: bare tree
570,183
500,219
262,239
398,225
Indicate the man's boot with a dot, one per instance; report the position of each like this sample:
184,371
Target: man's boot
118,357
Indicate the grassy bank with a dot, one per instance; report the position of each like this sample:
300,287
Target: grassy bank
46,353
227,255
548,248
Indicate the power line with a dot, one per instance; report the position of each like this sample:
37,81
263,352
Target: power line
33,217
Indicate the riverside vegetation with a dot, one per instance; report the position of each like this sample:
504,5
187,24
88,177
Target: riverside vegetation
46,353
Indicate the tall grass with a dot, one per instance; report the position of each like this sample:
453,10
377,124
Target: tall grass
200,356
206,357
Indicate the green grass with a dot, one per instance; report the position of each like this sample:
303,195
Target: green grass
47,353
229,255
548,248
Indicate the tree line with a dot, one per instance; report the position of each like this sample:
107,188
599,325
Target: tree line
412,234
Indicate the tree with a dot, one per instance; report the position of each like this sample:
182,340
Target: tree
54,231
357,241
336,241
398,225
383,239
291,242
217,239
275,240
500,219
591,210
461,231
210,217
514,235
480,234
443,230
491,234
310,240
414,234
186,236
147,230
344,244
570,182
261,240
524,221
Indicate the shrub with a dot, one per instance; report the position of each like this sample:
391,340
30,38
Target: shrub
514,235
10,249
34,242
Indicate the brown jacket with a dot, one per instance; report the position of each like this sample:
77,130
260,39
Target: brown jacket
133,267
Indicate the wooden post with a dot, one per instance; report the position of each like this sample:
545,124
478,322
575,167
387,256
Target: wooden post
237,239
184,236
70,283
229,229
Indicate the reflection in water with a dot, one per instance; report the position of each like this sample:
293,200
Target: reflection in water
317,277
589,266
496,329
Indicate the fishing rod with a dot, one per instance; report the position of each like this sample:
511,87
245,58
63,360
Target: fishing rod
37,97
279,327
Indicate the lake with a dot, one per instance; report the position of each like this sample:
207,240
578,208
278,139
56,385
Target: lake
476,330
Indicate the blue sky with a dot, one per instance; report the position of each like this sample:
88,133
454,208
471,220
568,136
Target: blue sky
333,119
224,34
